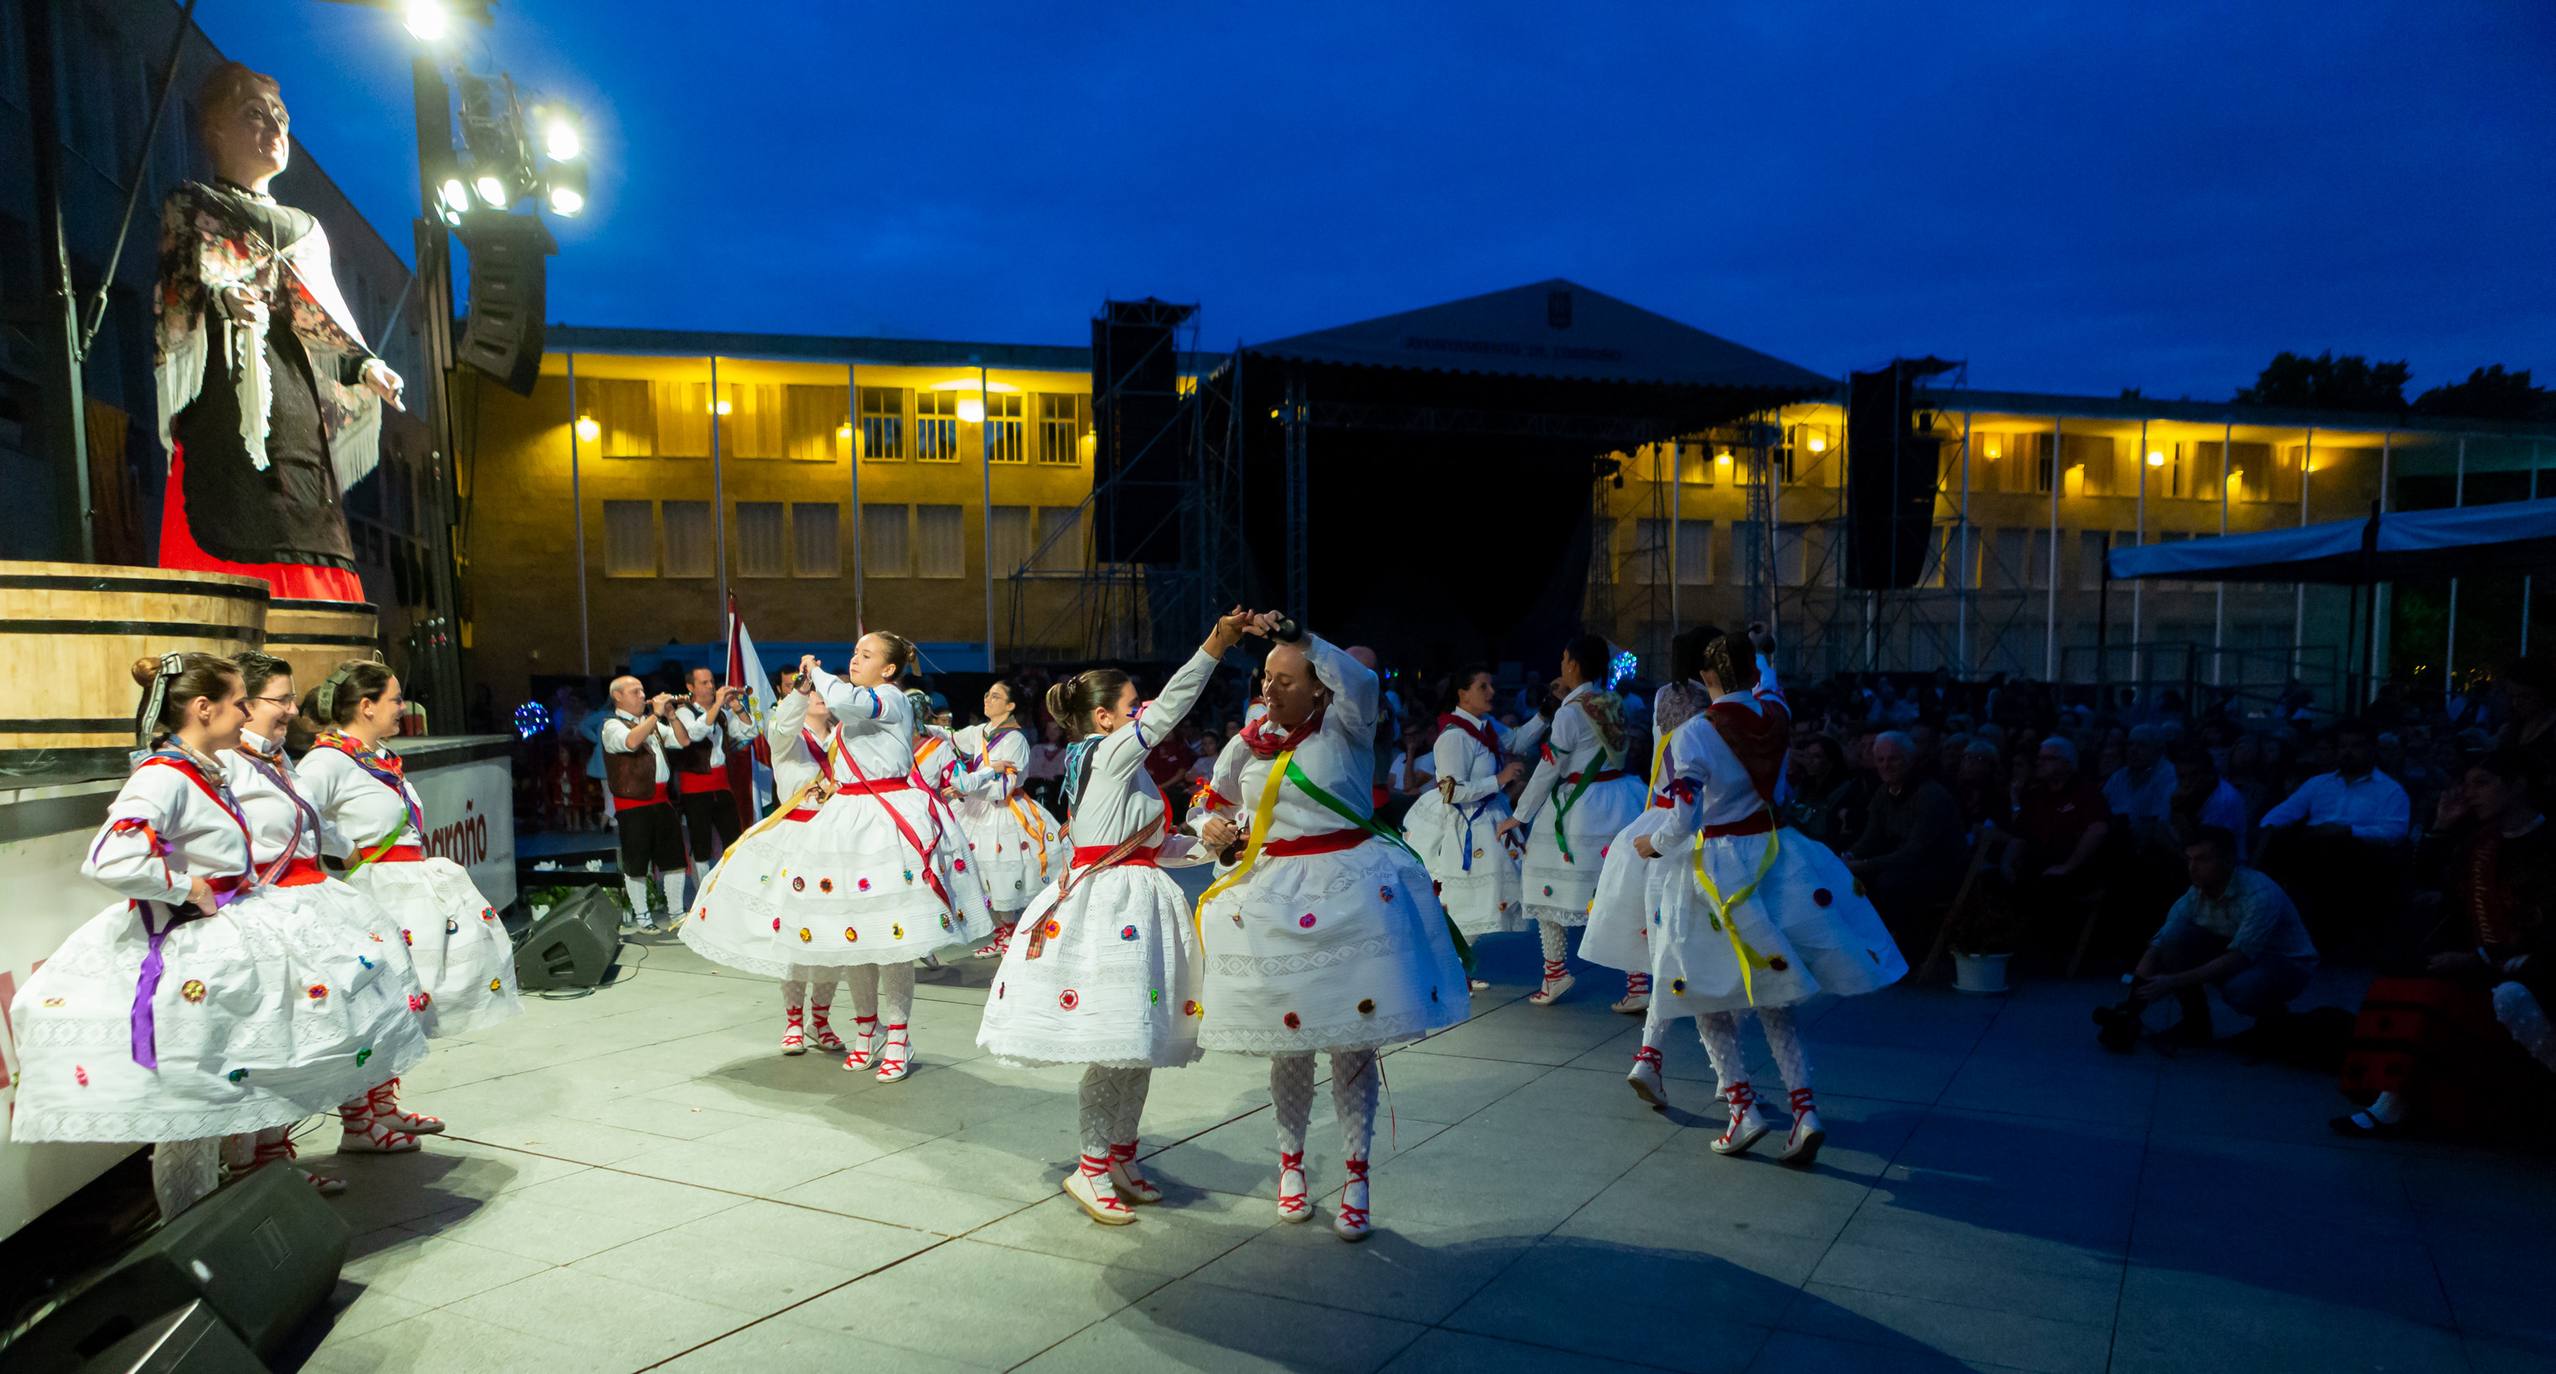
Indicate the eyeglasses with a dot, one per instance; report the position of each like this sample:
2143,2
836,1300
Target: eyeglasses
284,700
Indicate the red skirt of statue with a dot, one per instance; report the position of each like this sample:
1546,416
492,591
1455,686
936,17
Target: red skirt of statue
289,581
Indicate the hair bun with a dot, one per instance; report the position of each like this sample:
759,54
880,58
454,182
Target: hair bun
145,669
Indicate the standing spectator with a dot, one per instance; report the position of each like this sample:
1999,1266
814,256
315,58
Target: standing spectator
1911,854
2235,930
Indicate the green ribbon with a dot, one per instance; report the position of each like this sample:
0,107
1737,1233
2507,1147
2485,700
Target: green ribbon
1296,775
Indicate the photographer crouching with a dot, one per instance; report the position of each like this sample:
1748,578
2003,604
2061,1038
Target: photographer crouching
2236,931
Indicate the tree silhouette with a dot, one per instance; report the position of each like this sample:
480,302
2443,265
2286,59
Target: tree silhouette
2490,393
2326,382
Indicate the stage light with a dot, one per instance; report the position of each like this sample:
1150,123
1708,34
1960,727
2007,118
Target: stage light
971,412
559,136
566,201
2155,459
587,430
1819,443
492,189
531,718
453,194
426,19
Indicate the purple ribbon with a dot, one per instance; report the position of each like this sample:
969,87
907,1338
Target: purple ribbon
146,1030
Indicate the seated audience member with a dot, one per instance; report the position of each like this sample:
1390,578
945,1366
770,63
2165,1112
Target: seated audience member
2339,842
1825,793
1979,784
2202,797
2236,931
1911,854
2059,827
2141,792
2484,961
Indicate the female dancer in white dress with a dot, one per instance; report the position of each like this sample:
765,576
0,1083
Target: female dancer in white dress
378,824
1456,826
204,1002
1590,798
1009,832
1629,886
287,836
1756,916
880,876
1108,974
1318,940
802,739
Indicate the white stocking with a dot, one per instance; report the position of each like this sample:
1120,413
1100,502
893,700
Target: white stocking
1291,1099
1103,1104
863,982
184,1172
1786,1041
1131,1107
1556,939
1720,1034
2517,1008
794,991
639,889
1353,1099
896,994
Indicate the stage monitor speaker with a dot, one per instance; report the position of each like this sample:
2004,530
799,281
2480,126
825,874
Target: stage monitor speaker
263,1253
1140,438
1891,477
503,334
190,1340
573,945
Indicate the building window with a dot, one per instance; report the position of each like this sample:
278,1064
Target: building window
882,425
1007,539
884,549
2092,545
691,543
941,537
683,413
816,539
1006,435
630,539
1060,539
625,414
936,426
759,552
1062,420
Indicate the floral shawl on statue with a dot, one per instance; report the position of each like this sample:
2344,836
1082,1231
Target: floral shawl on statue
210,241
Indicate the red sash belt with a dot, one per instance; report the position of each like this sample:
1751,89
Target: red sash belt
1087,855
403,854
1609,775
633,804
804,813
1663,802
1328,842
871,787
690,783
226,884
1758,824
301,873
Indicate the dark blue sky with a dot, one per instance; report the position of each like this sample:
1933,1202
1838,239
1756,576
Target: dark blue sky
2073,197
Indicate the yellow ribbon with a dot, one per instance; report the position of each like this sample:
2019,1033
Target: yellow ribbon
1021,813
1722,908
1251,853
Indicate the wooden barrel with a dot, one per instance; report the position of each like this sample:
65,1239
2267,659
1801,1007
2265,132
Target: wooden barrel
316,636
69,633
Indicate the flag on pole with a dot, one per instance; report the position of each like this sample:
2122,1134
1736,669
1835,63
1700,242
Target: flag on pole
745,668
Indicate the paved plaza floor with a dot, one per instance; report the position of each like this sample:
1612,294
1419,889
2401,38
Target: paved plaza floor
637,1179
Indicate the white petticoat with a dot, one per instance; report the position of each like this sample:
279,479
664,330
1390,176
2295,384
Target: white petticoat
1559,889
272,1010
1338,951
463,956
843,887
1476,872
1808,925
1630,889
1012,861
1116,983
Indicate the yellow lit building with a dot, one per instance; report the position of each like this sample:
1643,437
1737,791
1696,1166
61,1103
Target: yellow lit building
939,489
